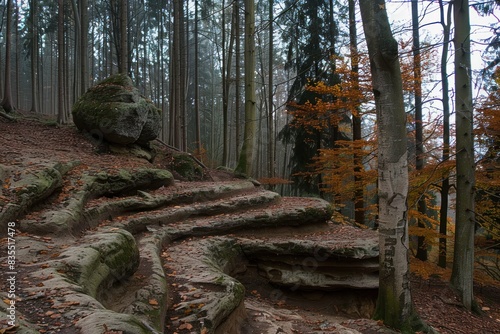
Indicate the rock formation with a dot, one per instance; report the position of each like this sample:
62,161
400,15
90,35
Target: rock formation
108,244
115,111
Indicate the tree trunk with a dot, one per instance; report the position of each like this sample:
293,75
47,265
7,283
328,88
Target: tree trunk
394,303
419,141
61,111
33,27
7,103
463,261
225,88
77,60
84,52
177,81
270,108
17,52
123,63
237,78
359,204
445,185
245,162
196,85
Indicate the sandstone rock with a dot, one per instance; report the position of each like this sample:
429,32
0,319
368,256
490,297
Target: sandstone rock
115,111
307,264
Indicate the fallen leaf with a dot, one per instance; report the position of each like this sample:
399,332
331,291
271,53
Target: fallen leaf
186,326
153,302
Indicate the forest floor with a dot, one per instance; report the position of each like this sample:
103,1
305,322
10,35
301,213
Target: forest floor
433,299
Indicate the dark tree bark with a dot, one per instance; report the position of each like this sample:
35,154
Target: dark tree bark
123,63
419,141
33,27
178,79
445,185
359,203
7,102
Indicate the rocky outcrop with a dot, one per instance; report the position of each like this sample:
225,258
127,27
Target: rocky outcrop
132,251
115,111
310,264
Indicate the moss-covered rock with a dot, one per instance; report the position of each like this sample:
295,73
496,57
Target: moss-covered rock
108,257
186,167
115,111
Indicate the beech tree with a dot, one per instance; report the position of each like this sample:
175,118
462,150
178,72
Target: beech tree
61,114
394,303
463,256
419,141
245,162
445,184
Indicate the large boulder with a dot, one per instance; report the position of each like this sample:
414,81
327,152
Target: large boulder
115,111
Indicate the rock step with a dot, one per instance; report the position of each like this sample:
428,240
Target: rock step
97,287
206,296
288,211
318,261
27,185
151,203
67,217
180,218
69,289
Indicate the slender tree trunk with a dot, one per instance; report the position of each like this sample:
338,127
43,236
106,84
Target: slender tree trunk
237,78
245,162
61,114
178,68
270,108
445,185
394,303
17,51
33,27
77,60
225,88
84,52
7,103
196,84
123,63
463,262
359,204
419,141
